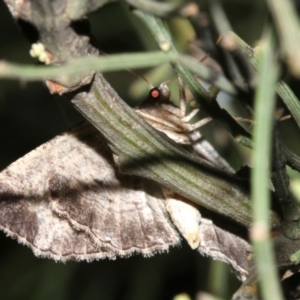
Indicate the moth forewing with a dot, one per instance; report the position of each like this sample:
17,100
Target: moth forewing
67,200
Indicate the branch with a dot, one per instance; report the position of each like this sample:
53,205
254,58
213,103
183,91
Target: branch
282,89
141,150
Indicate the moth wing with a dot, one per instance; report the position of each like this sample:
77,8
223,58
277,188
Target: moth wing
68,192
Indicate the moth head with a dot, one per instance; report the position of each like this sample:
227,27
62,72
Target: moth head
160,93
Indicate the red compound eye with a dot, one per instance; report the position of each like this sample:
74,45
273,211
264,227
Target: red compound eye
154,93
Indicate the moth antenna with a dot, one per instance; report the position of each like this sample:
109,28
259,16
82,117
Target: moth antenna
170,81
132,72
161,92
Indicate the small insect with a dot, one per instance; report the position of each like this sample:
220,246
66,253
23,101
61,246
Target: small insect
160,113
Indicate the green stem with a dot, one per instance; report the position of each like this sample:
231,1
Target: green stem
282,89
264,107
142,151
288,32
85,65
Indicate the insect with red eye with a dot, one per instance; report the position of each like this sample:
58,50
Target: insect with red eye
173,121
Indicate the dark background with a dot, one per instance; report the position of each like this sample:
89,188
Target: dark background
29,116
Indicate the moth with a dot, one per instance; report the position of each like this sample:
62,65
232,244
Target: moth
67,200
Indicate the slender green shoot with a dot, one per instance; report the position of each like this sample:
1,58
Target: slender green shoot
260,193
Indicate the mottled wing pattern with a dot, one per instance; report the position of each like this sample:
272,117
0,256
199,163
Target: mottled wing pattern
202,234
32,223
225,246
66,200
